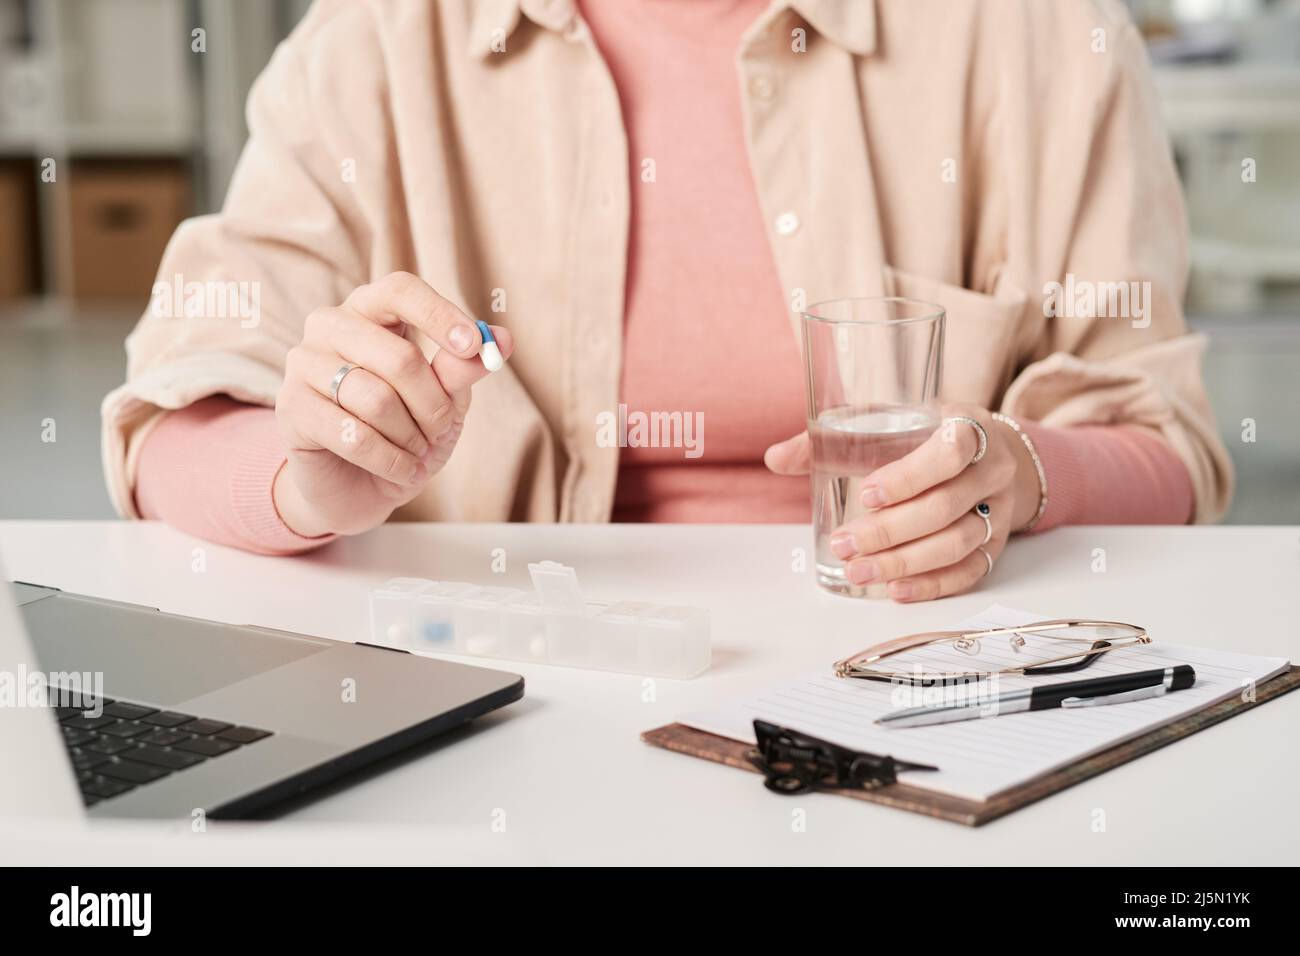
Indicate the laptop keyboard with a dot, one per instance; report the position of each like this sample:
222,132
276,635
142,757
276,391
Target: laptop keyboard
131,745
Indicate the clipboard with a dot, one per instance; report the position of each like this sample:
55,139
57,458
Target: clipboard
974,813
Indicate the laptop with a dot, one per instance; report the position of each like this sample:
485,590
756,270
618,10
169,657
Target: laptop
144,714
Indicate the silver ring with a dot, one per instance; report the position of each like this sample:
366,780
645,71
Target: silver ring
337,382
987,557
979,431
982,511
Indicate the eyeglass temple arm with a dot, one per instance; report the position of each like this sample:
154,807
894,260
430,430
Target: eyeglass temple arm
878,651
884,649
1051,626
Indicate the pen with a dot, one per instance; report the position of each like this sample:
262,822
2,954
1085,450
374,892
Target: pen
1118,689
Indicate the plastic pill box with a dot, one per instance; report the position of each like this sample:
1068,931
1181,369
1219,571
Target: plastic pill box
552,624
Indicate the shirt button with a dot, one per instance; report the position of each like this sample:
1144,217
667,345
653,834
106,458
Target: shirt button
787,223
762,87
575,31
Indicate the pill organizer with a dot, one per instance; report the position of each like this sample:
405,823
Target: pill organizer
552,624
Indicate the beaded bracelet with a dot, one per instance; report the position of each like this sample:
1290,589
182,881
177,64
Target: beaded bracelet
1038,467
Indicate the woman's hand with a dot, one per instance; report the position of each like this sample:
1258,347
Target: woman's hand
397,417
922,534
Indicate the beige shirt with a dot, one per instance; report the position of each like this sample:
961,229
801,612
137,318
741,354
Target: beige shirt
970,154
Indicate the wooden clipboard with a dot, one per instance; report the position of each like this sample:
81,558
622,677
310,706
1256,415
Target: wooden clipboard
974,813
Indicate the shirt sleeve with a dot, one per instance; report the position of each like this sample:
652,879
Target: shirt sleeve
209,469
1110,474
1110,251
234,289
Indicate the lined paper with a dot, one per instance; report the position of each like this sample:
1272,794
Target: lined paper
979,759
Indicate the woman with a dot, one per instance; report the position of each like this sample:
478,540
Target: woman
641,196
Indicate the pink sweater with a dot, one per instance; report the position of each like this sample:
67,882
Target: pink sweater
697,247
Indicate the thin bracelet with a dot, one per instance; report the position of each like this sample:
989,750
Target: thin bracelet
1038,467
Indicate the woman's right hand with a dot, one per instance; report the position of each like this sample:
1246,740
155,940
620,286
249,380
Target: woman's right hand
398,414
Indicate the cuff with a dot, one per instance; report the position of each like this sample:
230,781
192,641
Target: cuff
252,481
1110,474
1067,475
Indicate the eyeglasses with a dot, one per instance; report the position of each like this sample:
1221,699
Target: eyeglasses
1044,647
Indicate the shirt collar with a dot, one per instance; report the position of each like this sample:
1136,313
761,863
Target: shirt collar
848,23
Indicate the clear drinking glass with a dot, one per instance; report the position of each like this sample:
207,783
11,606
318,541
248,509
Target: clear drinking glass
872,370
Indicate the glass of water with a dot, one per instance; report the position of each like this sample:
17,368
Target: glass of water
872,370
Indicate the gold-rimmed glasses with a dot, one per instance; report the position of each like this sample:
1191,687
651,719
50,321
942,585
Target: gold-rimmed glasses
1044,647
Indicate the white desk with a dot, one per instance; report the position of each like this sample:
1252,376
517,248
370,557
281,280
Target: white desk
576,784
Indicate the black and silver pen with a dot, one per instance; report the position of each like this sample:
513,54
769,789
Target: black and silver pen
1117,689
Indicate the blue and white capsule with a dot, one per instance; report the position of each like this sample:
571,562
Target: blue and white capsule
490,353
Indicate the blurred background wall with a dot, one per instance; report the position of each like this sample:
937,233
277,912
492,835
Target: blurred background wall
114,126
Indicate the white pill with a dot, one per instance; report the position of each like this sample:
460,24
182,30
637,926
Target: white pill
491,356
481,645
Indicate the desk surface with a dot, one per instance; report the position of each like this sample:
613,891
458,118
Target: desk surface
564,767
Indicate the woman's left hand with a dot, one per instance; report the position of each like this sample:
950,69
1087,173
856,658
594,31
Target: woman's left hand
922,535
